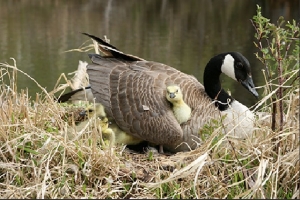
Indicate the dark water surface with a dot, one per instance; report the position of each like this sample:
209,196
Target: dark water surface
184,34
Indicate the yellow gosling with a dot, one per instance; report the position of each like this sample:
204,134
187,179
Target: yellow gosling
110,130
181,110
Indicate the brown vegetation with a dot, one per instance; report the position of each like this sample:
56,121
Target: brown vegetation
38,159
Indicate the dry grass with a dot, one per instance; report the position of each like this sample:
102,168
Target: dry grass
39,157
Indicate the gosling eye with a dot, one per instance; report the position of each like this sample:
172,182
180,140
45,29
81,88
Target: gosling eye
176,91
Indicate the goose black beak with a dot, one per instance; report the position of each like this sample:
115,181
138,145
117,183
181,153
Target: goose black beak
249,85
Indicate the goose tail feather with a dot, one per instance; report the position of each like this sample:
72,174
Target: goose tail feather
110,51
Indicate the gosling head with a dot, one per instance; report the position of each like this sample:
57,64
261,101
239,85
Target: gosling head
96,109
104,123
173,93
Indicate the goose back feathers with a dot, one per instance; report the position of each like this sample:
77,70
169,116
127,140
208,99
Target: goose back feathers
132,91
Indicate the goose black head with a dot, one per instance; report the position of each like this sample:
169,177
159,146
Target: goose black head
237,67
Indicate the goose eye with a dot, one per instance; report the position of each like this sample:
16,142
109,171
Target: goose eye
239,65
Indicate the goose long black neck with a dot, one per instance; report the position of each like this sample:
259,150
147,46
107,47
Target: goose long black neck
212,83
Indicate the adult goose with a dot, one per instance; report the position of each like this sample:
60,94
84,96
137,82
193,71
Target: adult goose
132,91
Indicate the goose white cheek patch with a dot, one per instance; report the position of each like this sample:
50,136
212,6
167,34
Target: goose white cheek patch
228,66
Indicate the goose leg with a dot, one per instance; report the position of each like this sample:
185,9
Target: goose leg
161,149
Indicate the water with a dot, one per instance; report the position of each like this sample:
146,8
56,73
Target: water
182,34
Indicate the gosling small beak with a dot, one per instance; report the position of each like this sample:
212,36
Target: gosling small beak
83,113
249,85
172,95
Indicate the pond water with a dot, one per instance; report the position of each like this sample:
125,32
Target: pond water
182,34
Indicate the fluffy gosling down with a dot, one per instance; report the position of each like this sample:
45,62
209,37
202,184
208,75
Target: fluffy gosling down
110,131
181,110
115,135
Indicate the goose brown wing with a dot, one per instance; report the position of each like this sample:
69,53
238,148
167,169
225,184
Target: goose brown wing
193,91
133,96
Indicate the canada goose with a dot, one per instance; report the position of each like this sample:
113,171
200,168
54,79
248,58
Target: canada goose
132,91
181,110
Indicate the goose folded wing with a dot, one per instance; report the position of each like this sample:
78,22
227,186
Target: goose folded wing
125,93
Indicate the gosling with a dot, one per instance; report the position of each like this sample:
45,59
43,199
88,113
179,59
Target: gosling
110,130
115,135
181,110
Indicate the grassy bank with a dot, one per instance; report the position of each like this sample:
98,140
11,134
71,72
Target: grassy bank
42,154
